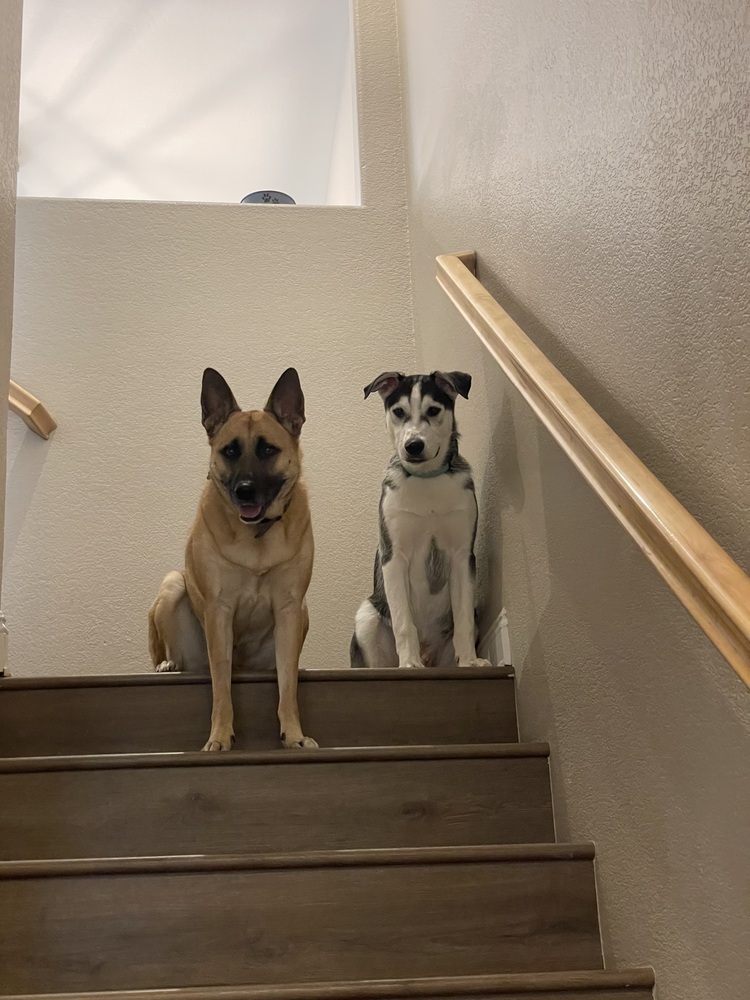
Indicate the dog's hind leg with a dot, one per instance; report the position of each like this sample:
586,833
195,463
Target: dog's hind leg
372,644
175,636
356,656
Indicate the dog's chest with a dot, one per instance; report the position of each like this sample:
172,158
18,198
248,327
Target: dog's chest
428,523
253,613
420,512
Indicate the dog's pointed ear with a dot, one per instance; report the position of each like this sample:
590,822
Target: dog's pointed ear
454,383
287,403
384,384
217,401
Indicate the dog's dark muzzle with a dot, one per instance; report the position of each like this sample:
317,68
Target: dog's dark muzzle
253,499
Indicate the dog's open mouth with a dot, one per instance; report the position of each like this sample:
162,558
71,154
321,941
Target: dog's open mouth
251,512
420,459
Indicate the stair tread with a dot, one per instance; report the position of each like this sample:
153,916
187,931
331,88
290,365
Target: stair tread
305,676
388,856
329,755
483,985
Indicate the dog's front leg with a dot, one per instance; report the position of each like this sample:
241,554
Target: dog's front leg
219,639
462,605
396,581
290,625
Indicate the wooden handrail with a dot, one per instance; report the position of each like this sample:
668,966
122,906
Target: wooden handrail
30,410
712,587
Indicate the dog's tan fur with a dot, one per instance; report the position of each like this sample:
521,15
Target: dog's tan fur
240,601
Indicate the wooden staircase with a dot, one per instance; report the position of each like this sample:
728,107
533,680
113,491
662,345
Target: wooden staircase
413,856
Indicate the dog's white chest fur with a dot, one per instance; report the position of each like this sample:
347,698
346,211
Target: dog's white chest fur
430,525
441,507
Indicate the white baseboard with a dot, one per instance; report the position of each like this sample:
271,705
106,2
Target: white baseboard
494,645
3,646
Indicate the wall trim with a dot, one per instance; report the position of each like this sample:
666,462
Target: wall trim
494,644
3,646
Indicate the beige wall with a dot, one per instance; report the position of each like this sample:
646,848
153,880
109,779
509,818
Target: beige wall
120,306
10,53
593,153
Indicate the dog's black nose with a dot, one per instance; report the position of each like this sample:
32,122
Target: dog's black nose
245,491
415,447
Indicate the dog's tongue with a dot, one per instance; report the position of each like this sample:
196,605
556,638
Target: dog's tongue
249,511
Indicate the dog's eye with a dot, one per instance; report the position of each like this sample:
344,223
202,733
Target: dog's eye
433,411
265,450
399,412
232,451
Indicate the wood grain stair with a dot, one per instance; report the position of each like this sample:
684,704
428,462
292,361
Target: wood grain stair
271,801
414,856
299,917
142,713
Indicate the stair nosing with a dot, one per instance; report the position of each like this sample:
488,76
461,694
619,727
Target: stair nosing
443,986
305,676
236,758
181,864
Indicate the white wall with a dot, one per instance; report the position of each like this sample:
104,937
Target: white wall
187,100
119,307
592,152
10,53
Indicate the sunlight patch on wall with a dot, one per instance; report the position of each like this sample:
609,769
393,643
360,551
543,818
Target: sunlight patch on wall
188,100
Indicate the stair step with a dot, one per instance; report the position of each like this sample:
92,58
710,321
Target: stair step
141,713
78,807
631,984
145,923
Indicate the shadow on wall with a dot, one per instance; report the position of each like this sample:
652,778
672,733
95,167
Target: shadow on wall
673,469
25,466
645,720
501,479
643,715
539,499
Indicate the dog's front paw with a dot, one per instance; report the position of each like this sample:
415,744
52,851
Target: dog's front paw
220,739
299,742
476,662
411,665
167,666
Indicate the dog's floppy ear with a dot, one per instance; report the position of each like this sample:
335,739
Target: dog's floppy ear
454,383
287,403
384,384
217,401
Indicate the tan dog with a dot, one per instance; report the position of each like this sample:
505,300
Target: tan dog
240,601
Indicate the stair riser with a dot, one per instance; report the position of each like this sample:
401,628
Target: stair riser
290,807
175,717
141,931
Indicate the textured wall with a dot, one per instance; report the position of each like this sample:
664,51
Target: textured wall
10,54
594,154
119,309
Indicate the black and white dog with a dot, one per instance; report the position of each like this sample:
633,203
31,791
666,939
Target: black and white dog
421,612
